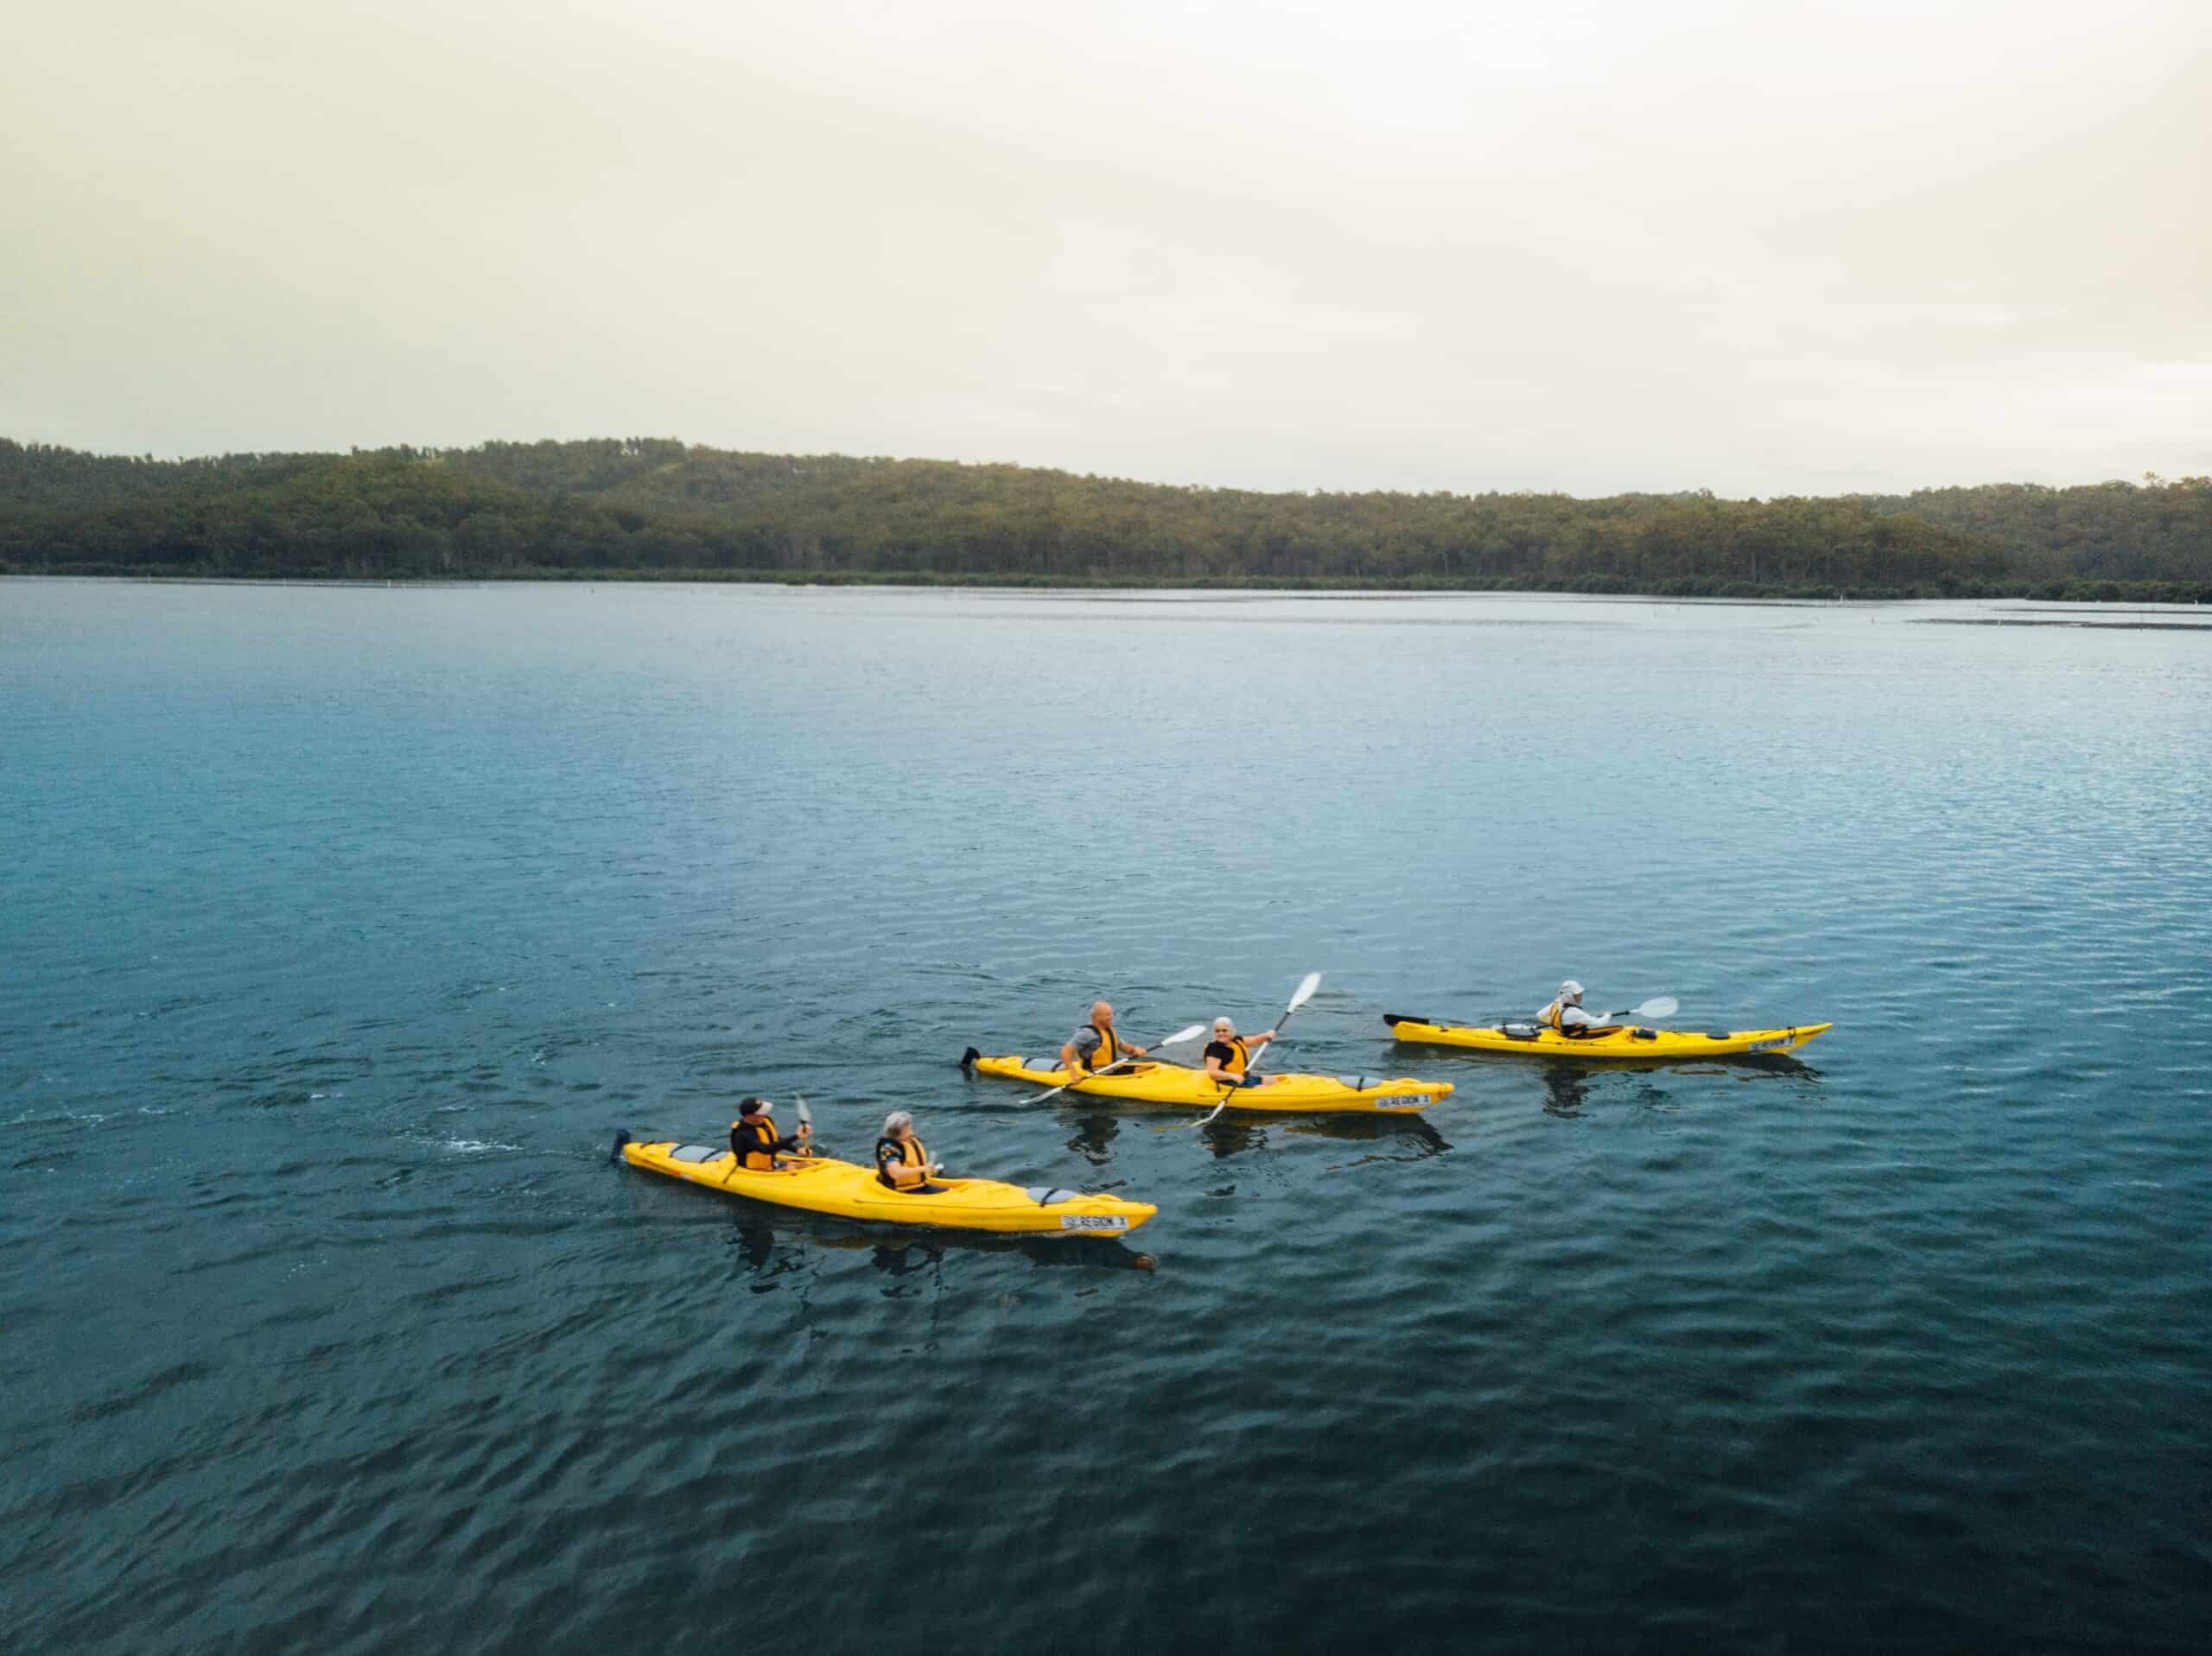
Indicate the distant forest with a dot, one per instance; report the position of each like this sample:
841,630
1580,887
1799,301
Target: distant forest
649,508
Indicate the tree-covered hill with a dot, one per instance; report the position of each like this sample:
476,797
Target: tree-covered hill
656,507
2101,531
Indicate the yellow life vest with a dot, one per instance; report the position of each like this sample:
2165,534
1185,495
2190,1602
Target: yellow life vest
752,1157
1107,1051
909,1153
1555,1015
1240,1056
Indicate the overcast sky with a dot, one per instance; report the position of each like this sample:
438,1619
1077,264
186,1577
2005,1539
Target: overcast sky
1763,248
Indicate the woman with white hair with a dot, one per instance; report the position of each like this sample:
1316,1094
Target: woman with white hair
901,1160
1565,1015
1228,1055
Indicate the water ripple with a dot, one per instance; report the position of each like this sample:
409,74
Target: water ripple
344,928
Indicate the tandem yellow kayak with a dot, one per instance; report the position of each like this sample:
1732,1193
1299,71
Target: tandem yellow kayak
1631,1043
1167,1083
821,1184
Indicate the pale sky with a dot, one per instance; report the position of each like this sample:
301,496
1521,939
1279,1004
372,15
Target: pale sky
1590,246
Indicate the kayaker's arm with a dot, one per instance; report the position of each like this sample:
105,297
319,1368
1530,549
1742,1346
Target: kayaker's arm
1253,1043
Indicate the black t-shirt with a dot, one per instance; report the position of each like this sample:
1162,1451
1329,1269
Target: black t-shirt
1223,1051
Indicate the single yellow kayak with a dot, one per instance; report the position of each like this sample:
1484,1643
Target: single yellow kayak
1167,1083
1631,1043
821,1184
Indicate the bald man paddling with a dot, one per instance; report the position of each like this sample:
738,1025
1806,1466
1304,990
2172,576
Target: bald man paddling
1095,1046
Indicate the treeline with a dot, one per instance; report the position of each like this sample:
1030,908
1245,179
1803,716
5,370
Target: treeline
2155,531
647,508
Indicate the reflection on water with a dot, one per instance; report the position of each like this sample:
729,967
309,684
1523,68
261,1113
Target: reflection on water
1567,1086
1094,1134
1230,1135
784,1245
339,930
1249,1130
1408,1138
1047,1253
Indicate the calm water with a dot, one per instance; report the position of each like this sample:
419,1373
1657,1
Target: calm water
342,929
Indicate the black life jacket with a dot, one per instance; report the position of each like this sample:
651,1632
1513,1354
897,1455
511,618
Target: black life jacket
890,1151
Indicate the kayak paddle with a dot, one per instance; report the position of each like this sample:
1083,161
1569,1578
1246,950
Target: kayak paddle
1306,988
1176,1039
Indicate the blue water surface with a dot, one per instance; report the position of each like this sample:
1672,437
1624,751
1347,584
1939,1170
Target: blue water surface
342,929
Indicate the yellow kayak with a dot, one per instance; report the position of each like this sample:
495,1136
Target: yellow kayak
1167,1083
820,1184
1631,1043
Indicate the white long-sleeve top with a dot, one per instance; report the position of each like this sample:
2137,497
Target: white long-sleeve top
1574,1017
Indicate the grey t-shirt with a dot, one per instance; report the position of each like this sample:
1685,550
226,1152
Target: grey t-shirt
1085,1042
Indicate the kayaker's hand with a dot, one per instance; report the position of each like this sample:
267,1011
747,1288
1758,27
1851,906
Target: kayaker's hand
1138,1051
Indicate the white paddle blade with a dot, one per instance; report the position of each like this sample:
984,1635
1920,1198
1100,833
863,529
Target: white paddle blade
1306,989
1183,1035
804,1114
1664,1006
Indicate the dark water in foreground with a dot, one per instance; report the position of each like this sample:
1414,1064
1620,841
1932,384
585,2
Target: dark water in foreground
339,931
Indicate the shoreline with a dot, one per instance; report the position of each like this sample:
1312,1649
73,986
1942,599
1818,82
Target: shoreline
1692,589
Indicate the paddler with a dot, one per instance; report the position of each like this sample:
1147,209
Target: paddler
1228,1055
752,1138
1096,1045
901,1162
1565,1015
